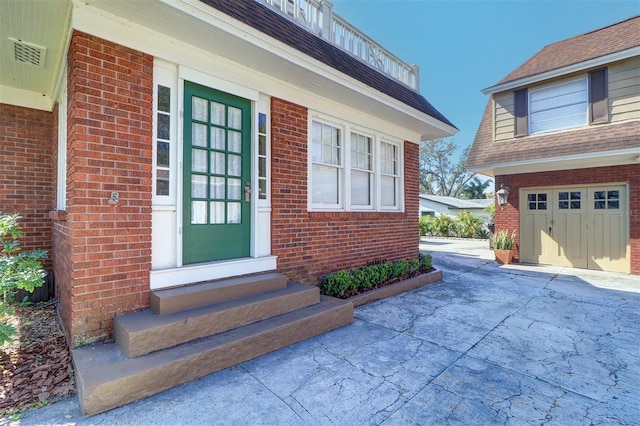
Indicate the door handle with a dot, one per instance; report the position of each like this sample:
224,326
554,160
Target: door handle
549,230
247,192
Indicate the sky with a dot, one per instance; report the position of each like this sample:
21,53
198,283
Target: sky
464,46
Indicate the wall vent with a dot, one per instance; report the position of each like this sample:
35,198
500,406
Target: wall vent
28,53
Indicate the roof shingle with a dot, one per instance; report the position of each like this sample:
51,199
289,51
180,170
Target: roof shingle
592,139
269,22
603,41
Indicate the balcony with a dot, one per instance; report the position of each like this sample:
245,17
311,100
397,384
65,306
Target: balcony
317,17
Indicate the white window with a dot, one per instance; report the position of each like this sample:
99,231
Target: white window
560,106
326,157
361,170
163,139
354,169
390,176
263,163
61,201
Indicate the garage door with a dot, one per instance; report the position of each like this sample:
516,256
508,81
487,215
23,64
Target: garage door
581,227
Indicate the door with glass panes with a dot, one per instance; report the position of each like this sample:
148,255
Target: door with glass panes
582,227
217,175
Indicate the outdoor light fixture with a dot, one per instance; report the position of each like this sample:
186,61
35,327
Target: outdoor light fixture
503,195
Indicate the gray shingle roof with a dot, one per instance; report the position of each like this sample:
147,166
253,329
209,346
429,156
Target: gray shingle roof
260,17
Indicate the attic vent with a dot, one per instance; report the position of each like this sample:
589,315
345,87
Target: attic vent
28,53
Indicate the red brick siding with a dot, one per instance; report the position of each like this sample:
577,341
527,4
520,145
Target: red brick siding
312,244
509,217
104,250
27,179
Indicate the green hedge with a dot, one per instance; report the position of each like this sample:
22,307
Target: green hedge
350,282
464,225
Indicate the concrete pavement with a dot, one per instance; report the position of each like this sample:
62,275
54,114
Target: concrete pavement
516,344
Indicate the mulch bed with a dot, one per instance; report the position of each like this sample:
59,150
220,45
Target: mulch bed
36,367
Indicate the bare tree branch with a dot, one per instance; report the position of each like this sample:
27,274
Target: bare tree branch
439,173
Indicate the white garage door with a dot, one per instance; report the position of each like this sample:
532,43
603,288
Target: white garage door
581,227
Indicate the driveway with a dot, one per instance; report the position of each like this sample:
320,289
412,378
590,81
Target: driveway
490,344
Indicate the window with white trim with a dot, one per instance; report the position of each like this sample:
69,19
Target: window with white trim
163,139
327,170
389,174
353,169
361,170
560,106
262,156
61,199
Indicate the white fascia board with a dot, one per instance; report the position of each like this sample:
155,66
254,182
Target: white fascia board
196,61
199,10
92,20
62,61
25,98
577,161
559,72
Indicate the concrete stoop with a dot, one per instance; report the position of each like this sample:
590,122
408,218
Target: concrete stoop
155,352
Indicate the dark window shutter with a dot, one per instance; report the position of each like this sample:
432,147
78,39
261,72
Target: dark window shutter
521,107
598,96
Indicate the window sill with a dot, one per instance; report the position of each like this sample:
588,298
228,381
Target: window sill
343,215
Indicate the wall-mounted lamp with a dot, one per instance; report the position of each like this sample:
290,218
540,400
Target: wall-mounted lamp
503,195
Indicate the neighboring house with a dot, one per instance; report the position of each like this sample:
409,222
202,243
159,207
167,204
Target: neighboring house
154,144
438,204
562,134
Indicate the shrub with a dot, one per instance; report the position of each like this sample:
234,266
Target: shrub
426,225
18,270
464,225
349,282
468,224
482,233
444,226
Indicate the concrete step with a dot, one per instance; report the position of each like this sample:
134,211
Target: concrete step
106,379
177,299
143,332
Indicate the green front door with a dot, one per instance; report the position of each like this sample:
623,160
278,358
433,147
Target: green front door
217,172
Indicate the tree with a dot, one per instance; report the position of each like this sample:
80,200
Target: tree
475,189
439,173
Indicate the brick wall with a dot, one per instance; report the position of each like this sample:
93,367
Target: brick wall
312,244
103,250
509,217
27,176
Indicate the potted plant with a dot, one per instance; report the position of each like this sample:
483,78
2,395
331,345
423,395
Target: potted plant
503,246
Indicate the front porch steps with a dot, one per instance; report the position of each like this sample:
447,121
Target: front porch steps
154,352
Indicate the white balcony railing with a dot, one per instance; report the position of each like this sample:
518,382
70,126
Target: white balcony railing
317,16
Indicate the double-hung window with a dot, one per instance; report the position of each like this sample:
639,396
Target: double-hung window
560,106
354,169
361,170
389,175
327,170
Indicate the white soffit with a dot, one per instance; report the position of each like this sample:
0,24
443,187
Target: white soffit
248,47
33,37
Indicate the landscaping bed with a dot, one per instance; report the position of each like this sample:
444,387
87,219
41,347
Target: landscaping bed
379,280
396,288
36,366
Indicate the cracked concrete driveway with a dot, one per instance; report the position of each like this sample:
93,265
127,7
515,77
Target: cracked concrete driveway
517,344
